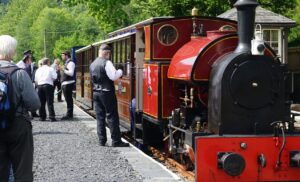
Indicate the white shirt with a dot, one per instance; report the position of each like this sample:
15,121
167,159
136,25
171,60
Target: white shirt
21,64
45,75
70,72
111,71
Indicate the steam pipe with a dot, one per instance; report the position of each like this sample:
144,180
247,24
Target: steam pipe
246,20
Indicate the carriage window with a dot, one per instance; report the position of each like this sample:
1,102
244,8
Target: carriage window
122,51
128,43
271,37
167,35
117,52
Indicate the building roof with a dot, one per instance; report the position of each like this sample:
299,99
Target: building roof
264,17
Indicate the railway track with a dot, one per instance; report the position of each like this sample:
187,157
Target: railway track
172,164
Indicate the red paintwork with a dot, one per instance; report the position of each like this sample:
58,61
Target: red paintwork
193,61
169,93
208,147
164,97
150,83
184,28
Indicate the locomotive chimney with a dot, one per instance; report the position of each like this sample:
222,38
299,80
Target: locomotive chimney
246,19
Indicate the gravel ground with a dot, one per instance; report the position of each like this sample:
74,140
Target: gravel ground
69,151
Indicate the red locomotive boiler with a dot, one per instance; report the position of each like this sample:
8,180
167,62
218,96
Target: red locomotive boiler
217,102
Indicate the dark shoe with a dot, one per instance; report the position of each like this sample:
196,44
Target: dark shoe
60,101
35,115
53,119
66,117
42,119
120,144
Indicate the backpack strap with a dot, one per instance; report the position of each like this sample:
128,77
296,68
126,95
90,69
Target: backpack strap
9,70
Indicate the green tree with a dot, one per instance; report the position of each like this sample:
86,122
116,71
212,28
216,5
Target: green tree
51,25
109,13
58,29
23,34
14,13
113,14
294,36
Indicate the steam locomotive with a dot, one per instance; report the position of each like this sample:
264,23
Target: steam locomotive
215,98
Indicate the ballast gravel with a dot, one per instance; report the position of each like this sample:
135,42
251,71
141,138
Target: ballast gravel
69,151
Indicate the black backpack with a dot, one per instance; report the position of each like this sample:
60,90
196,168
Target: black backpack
7,108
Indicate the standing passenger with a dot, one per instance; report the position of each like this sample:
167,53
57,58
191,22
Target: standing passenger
16,143
68,83
25,62
57,82
44,78
103,73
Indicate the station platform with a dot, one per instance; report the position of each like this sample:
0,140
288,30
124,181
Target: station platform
69,151
150,169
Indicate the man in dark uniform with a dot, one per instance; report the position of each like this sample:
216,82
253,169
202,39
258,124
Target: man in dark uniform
16,143
68,82
103,73
26,64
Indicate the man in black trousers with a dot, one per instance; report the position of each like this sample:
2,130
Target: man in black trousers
16,143
103,73
44,78
68,82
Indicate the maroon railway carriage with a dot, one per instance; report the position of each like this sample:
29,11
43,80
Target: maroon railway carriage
147,51
215,99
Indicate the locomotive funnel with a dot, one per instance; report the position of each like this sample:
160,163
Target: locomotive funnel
246,19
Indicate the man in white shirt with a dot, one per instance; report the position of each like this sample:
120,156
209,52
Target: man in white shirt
44,78
103,73
68,83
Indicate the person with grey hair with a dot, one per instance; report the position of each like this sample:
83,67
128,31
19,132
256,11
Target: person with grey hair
16,142
103,73
44,78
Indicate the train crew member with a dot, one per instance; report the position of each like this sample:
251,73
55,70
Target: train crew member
26,64
44,78
57,82
68,83
103,73
16,143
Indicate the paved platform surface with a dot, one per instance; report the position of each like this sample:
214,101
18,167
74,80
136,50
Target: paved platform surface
71,147
150,169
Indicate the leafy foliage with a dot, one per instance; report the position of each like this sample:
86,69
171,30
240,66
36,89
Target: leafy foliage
48,28
32,21
294,36
80,22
